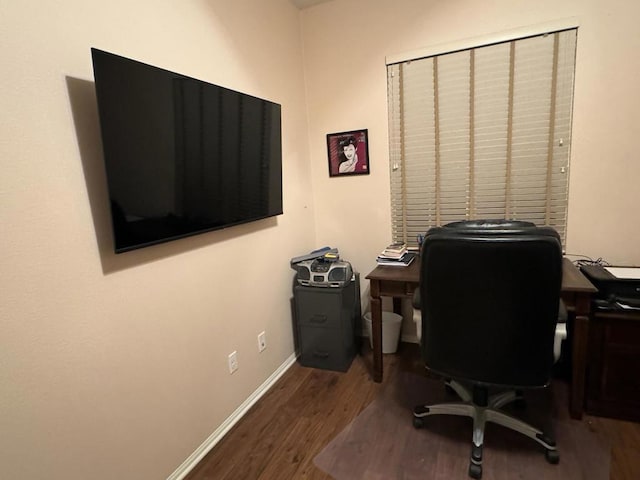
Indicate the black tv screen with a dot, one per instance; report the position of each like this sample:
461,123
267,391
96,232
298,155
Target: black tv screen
183,156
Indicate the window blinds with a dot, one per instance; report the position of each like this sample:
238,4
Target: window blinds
482,133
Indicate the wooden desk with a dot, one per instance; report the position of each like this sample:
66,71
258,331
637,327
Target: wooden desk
576,293
400,282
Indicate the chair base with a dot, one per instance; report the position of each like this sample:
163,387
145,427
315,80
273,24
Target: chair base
483,408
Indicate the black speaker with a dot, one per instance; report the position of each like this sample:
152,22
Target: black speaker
341,273
304,273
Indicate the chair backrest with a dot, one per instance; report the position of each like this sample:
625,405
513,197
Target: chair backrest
489,298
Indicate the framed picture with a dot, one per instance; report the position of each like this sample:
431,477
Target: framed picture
348,153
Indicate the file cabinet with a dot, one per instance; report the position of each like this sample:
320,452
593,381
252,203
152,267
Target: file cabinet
327,325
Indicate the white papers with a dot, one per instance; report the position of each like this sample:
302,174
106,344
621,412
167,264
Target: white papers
624,272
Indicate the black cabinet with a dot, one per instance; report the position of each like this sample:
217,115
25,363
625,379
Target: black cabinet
328,325
613,388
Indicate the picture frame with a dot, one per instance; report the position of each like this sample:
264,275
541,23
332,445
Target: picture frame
348,153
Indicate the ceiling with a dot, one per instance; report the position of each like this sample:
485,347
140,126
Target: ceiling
302,4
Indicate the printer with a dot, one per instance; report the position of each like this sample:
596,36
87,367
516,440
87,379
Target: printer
618,287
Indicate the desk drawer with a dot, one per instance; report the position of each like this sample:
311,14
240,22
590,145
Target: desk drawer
397,289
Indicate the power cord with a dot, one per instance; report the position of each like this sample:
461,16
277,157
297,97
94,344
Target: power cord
585,260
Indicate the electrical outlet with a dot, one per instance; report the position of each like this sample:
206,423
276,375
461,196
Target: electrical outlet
233,362
262,341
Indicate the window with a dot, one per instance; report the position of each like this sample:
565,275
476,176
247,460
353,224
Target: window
482,132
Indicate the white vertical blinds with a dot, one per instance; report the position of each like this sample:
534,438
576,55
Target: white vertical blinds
482,133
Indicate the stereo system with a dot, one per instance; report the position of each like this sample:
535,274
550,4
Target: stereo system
323,273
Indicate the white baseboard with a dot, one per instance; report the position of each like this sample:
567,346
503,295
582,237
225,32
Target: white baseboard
222,430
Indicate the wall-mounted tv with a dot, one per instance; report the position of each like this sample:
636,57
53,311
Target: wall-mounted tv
183,156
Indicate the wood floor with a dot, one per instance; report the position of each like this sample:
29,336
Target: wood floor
280,436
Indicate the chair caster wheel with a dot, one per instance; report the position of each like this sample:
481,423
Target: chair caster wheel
475,470
418,422
552,456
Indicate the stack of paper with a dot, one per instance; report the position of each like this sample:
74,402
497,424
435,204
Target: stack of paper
396,254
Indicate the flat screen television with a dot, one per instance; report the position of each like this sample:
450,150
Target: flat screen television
183,156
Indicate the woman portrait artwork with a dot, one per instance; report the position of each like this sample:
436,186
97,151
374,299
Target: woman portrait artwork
348,153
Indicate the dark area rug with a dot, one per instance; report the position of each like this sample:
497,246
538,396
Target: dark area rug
382,444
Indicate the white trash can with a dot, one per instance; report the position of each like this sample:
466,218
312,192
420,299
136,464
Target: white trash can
391,326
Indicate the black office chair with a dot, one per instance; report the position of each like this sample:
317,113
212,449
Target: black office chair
490,293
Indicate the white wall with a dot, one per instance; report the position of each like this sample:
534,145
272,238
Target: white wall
345,45
115,367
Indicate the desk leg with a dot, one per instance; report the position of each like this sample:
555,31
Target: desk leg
579,360
376,331
397,305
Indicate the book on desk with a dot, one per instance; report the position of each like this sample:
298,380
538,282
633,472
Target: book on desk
402,261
